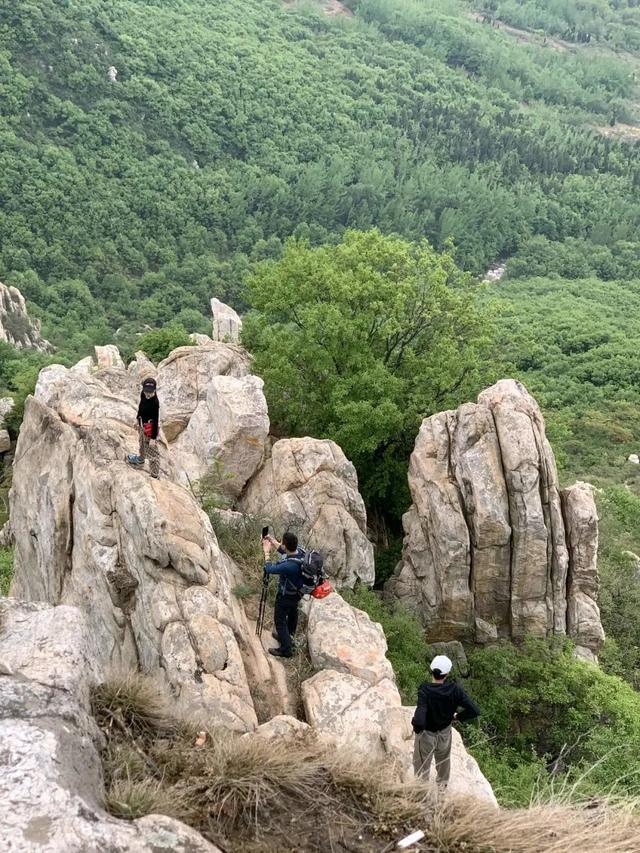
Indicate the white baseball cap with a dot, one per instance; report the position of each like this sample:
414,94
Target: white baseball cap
442,664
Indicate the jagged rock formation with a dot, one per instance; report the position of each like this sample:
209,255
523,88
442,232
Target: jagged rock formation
309,486
227,325
16,327
137,555
486,551
229,428
108,356
51,786
354,700
583,615
184,379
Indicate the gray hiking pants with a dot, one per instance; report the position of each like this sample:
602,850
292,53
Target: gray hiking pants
148,451
429,745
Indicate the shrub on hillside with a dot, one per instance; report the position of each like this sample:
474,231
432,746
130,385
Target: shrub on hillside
158,343
538,703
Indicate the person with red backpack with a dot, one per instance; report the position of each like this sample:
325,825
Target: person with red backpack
285,614
148,420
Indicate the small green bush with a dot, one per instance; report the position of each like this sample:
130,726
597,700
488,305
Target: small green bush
6,569
158,343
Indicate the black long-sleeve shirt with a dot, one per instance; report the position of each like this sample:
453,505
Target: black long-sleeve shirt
437,703
149,410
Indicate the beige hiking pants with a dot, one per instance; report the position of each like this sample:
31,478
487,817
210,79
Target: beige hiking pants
429,745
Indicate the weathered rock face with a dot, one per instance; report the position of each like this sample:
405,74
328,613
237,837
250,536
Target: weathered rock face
16,327
137,555
50,774
353,698
184,379
227,325
583,614
228,429
309,486
486,551
108,356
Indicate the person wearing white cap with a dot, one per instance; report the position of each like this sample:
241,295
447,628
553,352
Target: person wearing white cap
439,702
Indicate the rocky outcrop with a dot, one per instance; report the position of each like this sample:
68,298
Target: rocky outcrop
6,407
136,555
108,356
583,614
486,553
16,327
51,786
309,486
184,379
353,698
227,325
227,430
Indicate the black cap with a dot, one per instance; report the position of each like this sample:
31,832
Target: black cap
149,385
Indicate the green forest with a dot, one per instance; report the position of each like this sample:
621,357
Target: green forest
356,175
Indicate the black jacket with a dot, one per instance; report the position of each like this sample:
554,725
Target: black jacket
149,410
437,703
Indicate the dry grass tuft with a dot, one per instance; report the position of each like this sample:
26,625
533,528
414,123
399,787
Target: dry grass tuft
135,704
253,795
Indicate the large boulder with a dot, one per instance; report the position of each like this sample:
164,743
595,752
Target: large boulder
227,325
309,486
353,698
486,552
16,327
51,786
184,377
136,555
227,431
344,639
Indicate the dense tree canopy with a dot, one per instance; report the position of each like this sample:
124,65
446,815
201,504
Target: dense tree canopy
359,342
232,126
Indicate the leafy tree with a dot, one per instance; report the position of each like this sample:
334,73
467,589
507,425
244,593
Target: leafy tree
358,342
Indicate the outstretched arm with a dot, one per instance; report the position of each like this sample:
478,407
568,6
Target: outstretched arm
469,708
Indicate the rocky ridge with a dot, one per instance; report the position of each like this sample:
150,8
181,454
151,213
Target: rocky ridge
16,327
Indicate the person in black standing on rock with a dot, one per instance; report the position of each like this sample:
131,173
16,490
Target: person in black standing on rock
148,426
285,615
439,704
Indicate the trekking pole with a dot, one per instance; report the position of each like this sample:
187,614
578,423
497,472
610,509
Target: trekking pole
263,604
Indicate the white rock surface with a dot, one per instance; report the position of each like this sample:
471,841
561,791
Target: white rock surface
634,459
184,376
136,555
108,356
344,639
227,325
309,486
51,786
227,432
142,368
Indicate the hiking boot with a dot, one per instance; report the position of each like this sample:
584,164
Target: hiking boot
278,653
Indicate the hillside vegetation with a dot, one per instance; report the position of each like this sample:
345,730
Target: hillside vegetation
349,179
